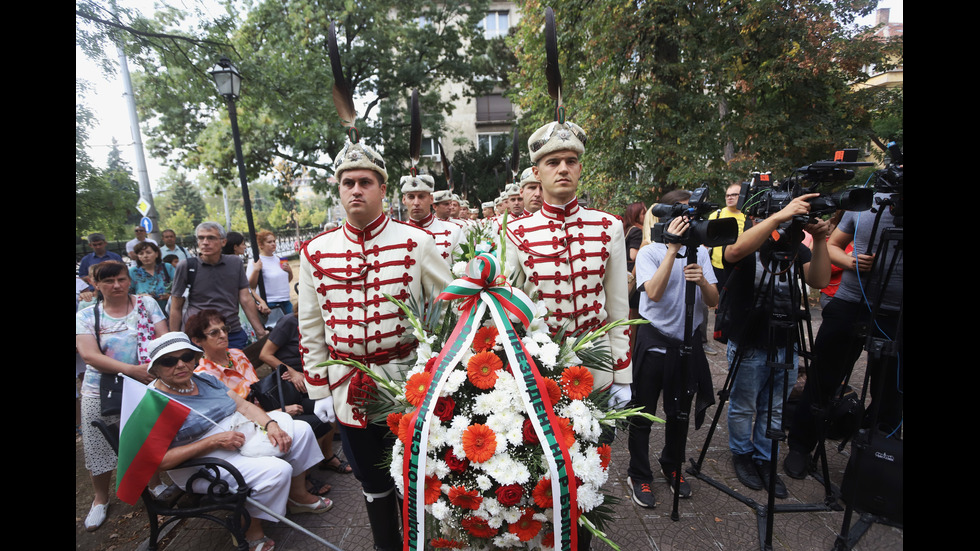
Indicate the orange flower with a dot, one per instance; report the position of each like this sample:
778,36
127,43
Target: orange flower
482,369
484,339
405,429
465,499
526,527
416,386
554,392
605,455
393,419
542,493
479,443
576,381
565,428
433,489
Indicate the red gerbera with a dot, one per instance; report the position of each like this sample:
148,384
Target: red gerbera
565,429
393,419
433,489
482,369
478,527
526,527
605,455
405,429
479,443
542,494
465,499
484,339
554,392
548,540
576,381
416,386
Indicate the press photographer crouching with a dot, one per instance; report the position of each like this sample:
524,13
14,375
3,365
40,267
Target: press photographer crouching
759,306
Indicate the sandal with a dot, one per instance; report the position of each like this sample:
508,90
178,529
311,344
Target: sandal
322,505
341,467
316,487
262,544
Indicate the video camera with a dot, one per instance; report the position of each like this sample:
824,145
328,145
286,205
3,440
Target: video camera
762,198
710,233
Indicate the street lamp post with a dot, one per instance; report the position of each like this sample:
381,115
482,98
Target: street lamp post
229,82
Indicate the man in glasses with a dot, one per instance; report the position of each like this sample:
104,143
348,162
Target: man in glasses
573,258
744,223
140,233
217,281
344,277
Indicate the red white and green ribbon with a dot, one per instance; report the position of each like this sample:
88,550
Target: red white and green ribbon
483,287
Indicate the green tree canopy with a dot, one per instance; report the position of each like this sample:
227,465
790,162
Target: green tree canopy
675,93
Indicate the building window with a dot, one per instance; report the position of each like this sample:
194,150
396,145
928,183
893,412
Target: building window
430,147
493,107
489,142
496,23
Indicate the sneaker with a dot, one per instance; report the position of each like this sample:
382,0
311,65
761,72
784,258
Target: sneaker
642,494
710,350
795,464
685,487
96,517
779,490
746,471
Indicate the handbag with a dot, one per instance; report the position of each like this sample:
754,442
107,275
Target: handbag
266,390
111,384
873,478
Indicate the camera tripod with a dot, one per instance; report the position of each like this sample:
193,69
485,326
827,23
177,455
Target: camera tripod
873,450
780,294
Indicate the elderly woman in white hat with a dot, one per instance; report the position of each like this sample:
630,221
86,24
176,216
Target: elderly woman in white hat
272,458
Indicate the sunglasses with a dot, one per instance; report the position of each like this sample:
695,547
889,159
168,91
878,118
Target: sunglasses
171,361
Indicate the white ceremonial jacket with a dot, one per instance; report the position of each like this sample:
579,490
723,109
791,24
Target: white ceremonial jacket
343,313
446,234
574,259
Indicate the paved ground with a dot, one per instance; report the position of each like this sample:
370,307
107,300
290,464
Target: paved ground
710,520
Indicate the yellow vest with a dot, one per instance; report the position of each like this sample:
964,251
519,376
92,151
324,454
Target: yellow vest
717,252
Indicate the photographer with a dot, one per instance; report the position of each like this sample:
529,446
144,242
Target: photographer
751,337
841,337
662,277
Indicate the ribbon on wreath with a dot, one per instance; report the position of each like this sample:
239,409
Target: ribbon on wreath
483,287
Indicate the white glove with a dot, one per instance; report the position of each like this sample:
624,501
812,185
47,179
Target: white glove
323,408
620,395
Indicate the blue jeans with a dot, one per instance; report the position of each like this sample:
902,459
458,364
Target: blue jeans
750,398
238,339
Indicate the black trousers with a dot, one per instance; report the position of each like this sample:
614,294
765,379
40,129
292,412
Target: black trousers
648,382
366,449
838,345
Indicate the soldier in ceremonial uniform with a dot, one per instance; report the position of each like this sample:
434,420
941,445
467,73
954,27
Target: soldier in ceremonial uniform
530,191
344,275
515,203
571,257
417,197
488,211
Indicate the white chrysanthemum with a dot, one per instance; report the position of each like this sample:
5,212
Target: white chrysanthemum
549,355
396,466
584,422
453,382
440,510
531,345
512,514
506,540
495,400
588,497
437,434
505,470
483,482
436,467
509,424
459,269
454,434
587,465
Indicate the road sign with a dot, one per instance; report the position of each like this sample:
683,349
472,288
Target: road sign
143,206
147,224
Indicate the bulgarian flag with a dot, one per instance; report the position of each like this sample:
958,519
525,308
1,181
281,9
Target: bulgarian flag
149,420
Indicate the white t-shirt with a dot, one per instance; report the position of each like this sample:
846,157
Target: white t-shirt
275,278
